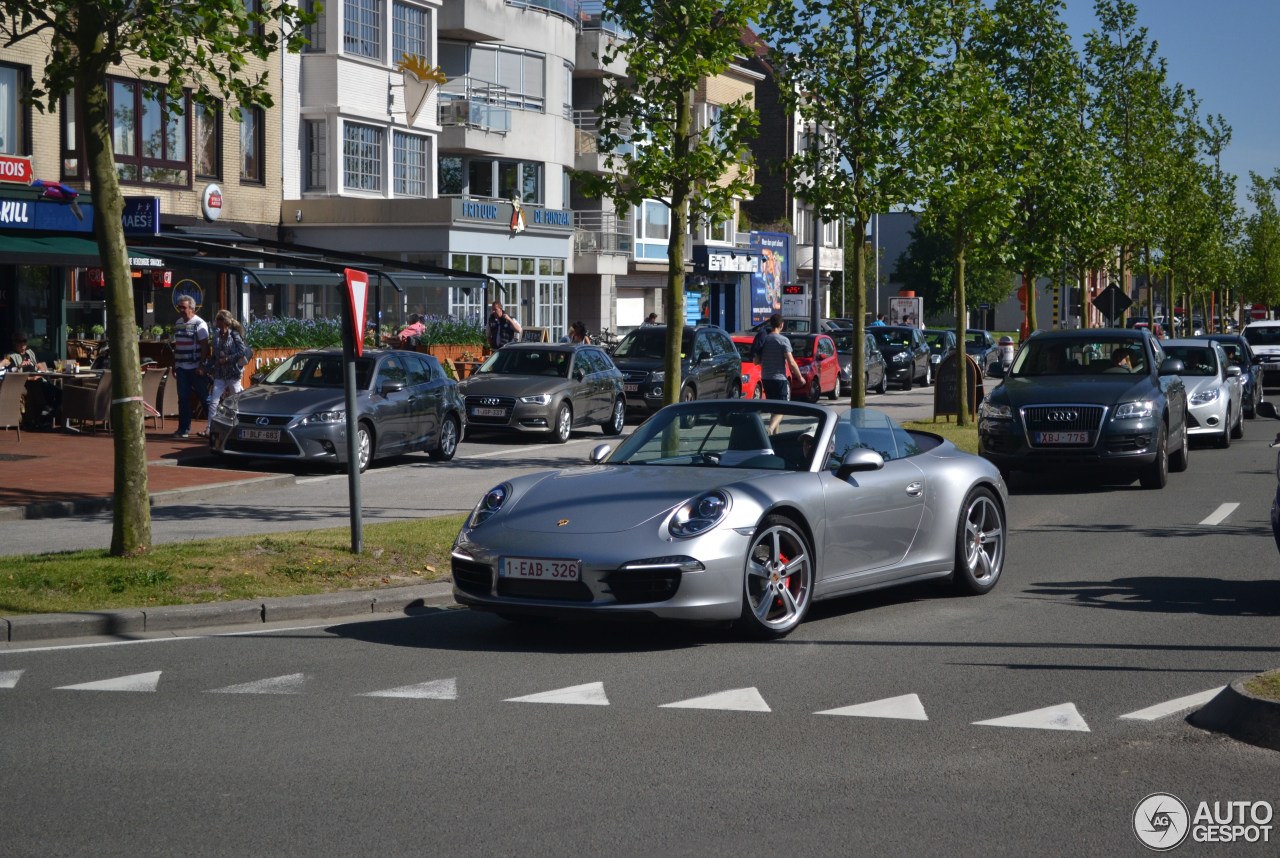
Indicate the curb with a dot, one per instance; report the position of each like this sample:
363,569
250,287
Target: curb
26,628
1242,716
88,506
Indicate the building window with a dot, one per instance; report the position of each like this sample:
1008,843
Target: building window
505,180
315,155
252,144
361,157
568,91
150,142
13,125
408,31
206,141
450,177
70,138
656,223
362,28
519,75
254,7
410,165
315,33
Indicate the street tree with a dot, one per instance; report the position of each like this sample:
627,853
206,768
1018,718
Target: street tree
971,137
1260,248
927,267
853,71
207,47
654,148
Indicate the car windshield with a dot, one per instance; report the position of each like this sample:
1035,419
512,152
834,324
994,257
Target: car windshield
801,345
886,336
553,362
650,342
843,340
937,340
744,351
976,342
318,370
756,434
1198,360
1262,335
1078,356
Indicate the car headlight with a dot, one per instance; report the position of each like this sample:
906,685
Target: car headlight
994,411
1140,410
699,515
902,357
935,358
227,411
1205,396
744,378
539,399
324,417
489,505
658,375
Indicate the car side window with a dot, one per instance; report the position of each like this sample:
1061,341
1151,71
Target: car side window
419,370
825,347
392,369
701,349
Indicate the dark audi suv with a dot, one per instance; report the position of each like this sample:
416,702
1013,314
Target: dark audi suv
711,368
1105,396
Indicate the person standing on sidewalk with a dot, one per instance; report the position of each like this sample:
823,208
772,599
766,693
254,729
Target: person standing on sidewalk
775,360
190,353
229,354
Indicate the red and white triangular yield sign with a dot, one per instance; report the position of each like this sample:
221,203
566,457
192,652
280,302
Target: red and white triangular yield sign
358,292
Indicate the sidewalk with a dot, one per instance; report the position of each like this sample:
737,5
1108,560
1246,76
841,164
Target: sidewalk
58,473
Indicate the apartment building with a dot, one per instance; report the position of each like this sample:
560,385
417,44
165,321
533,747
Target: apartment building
183,174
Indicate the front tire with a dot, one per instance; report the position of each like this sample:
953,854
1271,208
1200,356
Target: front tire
364,448
1223,441
1156,475
758,391
688,394
906,385
777,580
447,443
613,426
883,386
928,374
980,542
564,423
815,390
835,391
1237,431
1178,462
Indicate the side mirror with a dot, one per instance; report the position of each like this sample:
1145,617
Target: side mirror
996,370
599,454
257,378
1233,371
1257,359
1172,366
1268,409
860,459
577,374
392,387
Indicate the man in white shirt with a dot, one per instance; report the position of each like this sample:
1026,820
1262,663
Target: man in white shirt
190,351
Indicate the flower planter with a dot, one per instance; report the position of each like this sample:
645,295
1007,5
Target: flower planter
448,351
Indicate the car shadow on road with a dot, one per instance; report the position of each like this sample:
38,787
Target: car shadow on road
1167,594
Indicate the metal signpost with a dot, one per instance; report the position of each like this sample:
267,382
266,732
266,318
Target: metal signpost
357,293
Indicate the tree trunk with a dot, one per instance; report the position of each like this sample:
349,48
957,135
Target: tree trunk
1083,274
858,365
675,258
1029,280
131,512
963,418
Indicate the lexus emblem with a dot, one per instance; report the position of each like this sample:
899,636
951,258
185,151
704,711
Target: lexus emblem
562,522
263,421
1062,416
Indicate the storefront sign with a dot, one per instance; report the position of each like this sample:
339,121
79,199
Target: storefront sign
45,215
16,169
553,217
740,262
505,214
141,215
211,203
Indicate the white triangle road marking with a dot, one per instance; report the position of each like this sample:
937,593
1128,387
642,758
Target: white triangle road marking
1169,707
1219,515
1061,717
437,689
589,694
9,678
289,684
135,682
906,707
737,699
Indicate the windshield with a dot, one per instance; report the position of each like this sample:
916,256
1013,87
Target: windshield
801,345
758,434
519,361
1198,360
1262,335
844,340
976,342
650,342
1080,356
938,340
318,370
886,336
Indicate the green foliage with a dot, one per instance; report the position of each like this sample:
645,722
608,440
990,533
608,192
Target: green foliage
927,267
1260,249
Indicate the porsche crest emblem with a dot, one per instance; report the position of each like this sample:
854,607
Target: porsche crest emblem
562,522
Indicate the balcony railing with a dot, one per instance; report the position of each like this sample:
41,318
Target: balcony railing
600,232
474,104
570,9
586,126
593,18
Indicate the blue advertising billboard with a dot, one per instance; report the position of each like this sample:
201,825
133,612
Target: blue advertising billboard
774,249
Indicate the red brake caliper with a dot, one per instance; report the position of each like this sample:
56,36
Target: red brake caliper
786,582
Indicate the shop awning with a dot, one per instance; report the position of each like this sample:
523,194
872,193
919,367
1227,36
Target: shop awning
47,250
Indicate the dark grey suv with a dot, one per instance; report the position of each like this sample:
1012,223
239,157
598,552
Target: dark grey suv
711,368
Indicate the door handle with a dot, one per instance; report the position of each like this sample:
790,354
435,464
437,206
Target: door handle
915,489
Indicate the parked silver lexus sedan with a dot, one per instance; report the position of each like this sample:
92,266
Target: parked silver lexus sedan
546,389
298,412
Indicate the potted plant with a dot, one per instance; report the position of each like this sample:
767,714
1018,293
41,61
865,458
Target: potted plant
157,332
98,331
450,338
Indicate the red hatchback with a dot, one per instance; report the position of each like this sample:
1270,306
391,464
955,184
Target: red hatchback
751,386
819,367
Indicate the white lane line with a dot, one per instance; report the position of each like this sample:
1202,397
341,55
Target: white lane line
906,707
437,689
1064,716
288,684
1169,707
1219,515
136,682
9,678
589,694
738,700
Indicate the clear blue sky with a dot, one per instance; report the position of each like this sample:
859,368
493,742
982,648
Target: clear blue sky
1226,51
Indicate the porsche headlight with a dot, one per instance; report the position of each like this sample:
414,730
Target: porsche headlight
489,505
323,417
994,411
1205,396
1140,410
699,515
538,399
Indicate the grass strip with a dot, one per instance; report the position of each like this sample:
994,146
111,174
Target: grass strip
964,437
1266,685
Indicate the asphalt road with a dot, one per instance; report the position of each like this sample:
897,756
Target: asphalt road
407,735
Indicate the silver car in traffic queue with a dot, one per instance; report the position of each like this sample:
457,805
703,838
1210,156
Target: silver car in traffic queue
546,389
1215,389
298,412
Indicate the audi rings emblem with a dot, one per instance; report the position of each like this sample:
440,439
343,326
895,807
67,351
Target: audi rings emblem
1062,416
263,421
491,400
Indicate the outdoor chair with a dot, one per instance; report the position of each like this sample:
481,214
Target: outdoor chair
153,382
13,392
89,403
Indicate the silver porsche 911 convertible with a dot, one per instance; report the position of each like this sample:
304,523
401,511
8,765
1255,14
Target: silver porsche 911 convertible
742,510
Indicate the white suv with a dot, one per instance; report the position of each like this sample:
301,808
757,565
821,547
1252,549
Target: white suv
1264,339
